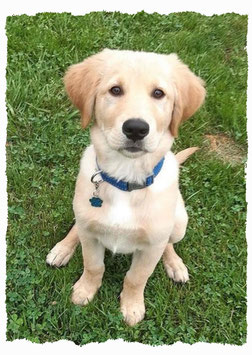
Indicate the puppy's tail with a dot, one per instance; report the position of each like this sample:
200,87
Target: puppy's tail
184,154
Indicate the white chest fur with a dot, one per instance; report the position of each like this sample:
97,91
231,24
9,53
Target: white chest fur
120,211
128,220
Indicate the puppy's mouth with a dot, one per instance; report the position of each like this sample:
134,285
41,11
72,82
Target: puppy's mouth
133,149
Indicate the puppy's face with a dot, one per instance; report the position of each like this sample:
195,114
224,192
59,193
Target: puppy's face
134,102
136,97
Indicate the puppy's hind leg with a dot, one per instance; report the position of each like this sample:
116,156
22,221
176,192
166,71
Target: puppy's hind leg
173,264
64,250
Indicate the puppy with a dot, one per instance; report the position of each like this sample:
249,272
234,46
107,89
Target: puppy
127,196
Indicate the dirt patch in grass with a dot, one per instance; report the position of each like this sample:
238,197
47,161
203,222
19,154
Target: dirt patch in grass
225,148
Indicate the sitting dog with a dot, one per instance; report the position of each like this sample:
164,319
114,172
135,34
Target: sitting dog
127,196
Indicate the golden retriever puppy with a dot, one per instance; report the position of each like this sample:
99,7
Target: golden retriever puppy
127,196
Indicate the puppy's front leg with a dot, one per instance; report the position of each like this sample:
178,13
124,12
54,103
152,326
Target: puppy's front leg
132,295
86,287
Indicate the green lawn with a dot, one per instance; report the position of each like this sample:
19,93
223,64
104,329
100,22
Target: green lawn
44,146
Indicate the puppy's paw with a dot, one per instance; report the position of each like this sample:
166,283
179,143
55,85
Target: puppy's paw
177,270
133,312
82,294
60,255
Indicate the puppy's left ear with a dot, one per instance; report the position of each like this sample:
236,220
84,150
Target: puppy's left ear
189,94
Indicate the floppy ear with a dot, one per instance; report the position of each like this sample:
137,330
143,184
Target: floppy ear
189,94
81,81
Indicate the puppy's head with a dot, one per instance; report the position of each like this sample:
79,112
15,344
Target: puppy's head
137,98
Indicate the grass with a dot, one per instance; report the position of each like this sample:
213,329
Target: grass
44,146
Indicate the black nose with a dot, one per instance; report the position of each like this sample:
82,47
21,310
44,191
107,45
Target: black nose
135,129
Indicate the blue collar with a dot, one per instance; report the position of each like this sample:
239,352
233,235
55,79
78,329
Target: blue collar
130,186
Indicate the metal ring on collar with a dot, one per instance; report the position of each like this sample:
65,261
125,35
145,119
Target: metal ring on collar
94,175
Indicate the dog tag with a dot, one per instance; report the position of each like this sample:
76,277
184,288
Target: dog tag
96,201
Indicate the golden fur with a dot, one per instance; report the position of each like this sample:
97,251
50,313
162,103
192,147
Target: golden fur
144,222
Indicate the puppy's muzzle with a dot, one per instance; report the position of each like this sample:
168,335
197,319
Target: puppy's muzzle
135,129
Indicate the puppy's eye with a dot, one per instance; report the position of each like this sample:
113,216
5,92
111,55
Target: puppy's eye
116,91
158,94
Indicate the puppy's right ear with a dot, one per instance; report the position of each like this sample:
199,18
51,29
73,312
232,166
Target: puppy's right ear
81,81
